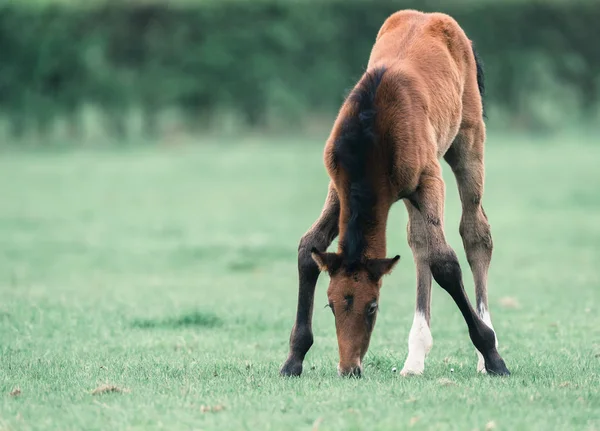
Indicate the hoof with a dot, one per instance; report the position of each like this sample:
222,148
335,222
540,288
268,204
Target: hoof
413,366
291,368
406,372
355,372
495,366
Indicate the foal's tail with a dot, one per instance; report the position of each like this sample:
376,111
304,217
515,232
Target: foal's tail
480,78
356,139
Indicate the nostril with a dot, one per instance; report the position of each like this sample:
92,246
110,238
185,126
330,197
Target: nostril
356,372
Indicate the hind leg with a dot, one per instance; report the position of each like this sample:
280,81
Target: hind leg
465,157
320,236
446,269
419,338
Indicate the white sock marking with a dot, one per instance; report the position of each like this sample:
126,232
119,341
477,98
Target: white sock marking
485,316
419,345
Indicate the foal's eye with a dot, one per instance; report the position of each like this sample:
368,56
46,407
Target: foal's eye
372,308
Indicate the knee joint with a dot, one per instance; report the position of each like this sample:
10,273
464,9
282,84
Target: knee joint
446,269
305,260
476,232
304,248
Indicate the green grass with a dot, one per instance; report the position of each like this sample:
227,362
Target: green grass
171,274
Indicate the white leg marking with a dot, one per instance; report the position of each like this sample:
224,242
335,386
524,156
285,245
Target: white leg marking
485,316
419,345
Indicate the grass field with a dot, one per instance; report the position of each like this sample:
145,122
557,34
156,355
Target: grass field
171,274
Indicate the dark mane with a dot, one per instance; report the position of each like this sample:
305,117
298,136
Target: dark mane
350,152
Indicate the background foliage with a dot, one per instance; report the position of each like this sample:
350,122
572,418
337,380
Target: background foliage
270,63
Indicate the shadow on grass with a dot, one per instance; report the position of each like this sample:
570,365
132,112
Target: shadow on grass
193,319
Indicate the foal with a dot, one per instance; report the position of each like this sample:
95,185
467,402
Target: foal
420,99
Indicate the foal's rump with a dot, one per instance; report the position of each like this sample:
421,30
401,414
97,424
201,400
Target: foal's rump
434,65
432,43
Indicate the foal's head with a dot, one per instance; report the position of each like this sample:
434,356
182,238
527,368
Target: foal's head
353,296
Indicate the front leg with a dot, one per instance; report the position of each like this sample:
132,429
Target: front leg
419,339
320,236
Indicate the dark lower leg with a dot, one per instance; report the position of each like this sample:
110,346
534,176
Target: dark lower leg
446,272
320,236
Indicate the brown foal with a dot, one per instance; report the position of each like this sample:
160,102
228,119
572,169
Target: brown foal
419,100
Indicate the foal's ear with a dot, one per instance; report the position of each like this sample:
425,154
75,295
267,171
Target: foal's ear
329,262
377,268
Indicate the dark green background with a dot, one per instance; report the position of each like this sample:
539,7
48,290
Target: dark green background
273,63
